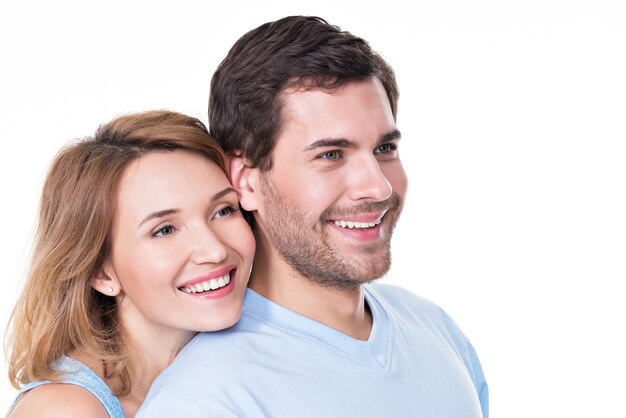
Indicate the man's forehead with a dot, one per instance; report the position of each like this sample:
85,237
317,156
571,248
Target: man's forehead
330,87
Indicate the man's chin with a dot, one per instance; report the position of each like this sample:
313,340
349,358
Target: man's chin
361,270
374,271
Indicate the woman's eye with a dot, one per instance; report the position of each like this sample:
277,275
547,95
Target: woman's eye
225,211
163,231
330,155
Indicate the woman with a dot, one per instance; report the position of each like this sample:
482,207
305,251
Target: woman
140,244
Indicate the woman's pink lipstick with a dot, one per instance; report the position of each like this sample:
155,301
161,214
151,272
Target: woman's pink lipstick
214,285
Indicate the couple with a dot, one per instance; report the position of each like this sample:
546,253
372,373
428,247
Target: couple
142,243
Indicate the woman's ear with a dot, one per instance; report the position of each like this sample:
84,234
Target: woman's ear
106,282
245,180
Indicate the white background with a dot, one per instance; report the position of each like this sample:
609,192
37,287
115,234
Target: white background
513,117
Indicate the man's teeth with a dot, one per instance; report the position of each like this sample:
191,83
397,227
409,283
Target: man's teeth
351,224
207,285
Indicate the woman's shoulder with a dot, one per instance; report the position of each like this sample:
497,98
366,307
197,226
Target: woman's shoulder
58,399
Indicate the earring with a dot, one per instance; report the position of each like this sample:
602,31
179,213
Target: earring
110,289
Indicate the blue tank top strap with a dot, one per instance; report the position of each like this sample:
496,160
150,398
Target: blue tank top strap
80,375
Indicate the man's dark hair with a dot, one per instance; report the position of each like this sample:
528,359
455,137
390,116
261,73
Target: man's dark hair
245,110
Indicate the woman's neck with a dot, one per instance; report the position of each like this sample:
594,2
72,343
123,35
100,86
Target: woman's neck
151,351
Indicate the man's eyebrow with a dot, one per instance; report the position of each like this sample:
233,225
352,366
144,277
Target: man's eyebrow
393,135
331,142
166,212
346,143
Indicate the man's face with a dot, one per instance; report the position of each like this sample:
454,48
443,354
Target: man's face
336,187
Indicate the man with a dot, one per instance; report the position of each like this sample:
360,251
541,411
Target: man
307,113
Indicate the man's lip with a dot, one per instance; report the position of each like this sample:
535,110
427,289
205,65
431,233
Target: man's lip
211,275
362,217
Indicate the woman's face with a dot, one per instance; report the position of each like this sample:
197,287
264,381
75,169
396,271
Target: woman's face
181,250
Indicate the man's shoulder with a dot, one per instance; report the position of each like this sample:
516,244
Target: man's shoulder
211,357
402,303
205,365
212,342
395,296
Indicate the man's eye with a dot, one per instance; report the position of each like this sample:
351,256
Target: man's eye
330,155
386,148
163,231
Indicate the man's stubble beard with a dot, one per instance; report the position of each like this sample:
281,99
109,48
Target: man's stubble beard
302,241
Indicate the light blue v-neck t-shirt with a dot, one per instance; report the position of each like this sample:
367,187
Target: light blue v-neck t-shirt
277,363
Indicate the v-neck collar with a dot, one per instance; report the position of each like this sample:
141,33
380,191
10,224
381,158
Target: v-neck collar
374,353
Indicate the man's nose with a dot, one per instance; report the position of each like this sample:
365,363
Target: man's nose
367,181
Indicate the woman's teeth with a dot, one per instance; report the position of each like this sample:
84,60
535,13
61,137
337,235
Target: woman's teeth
207,285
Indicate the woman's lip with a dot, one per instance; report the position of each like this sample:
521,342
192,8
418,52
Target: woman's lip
217,293
211,275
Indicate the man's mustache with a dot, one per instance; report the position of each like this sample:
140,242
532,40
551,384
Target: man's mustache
392,203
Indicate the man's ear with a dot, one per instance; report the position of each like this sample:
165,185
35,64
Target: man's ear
245,179
106,282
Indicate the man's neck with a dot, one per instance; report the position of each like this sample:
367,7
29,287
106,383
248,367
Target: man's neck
342,309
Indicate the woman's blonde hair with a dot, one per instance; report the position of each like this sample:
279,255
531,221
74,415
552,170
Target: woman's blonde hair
58,310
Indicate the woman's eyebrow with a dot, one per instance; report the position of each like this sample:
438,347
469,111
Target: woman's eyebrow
223,193
166,212
158,214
